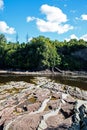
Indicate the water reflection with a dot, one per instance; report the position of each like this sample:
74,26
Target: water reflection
7,78
72,81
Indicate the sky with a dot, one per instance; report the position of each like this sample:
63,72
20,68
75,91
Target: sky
57,19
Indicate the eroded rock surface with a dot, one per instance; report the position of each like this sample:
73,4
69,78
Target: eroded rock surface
45,105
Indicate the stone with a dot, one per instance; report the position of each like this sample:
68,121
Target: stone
26,122
22,106
19,110
33,107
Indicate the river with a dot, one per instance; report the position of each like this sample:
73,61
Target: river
68,80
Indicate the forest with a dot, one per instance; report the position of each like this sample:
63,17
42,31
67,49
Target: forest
42,53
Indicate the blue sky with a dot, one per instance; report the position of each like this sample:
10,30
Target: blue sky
56,19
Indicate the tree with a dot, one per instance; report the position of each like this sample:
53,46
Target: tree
2,50
3,40
43,53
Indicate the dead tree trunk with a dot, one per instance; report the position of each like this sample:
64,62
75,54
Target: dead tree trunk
58,70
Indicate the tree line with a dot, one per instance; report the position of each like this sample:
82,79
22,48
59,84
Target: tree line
41,53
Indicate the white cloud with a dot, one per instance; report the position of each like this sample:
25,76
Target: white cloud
30,18
47,26
53,14
73,36
4,28
84,37
1,4
55,20
84,16
64,28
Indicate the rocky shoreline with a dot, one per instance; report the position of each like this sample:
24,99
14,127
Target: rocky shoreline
45,105
45,73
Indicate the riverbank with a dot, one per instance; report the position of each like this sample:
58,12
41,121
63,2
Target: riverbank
45,73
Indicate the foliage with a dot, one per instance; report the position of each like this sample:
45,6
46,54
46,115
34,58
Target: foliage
41,53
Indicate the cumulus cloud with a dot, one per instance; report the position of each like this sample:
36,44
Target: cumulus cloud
1,4
55,20
84,37
30,18
47,26
84,16
73,36
4,28
53,14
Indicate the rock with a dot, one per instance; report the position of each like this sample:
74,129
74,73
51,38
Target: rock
67,110
19,110
54,121
84,94
22,106
56,95
53,104
26,122
76,92
33,107
80,119
59,124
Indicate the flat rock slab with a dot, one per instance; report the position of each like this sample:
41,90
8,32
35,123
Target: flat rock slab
24,106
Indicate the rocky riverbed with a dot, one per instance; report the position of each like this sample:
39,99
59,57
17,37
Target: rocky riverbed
44,105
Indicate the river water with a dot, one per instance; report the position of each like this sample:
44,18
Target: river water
68,80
